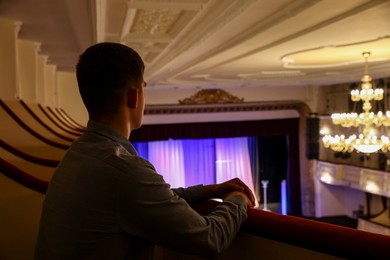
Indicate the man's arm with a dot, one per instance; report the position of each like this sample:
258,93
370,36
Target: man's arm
192,194
215,191
150,210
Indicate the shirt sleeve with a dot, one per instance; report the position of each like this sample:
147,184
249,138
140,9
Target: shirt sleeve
150,210
191,194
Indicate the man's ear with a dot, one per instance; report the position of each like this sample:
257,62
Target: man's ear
132,98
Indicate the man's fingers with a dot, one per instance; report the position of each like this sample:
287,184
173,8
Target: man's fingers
237,185
247,191
234,187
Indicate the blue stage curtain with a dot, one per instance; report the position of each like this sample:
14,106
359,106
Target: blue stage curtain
168,160
260,128
199,161
189,162
233,160
253,148
142,149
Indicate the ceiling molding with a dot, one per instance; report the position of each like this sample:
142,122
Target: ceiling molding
98,10
146,37
338,55
272,20
167,4
169,114
202,44
229,107
128,21
201,28
361,8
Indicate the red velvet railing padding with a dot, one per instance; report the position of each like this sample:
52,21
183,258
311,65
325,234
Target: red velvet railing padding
328,238
322,237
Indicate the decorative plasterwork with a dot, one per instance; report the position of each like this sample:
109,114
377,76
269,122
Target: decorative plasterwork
211,96
173,73
155,21
203,27
150,25
167,4
229,13
338,55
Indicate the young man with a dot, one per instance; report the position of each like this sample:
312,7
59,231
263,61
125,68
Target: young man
104,201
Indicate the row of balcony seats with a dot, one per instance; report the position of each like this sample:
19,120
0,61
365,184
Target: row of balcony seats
34,139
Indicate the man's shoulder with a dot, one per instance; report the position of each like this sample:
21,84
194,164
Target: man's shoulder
94,152
123,159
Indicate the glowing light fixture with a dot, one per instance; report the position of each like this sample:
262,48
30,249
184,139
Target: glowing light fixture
372,187
367,141
326,177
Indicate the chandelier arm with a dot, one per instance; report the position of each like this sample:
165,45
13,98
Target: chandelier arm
379,106
354,106
366,55
386,86
385,97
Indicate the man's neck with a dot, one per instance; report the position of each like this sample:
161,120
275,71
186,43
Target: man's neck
117,123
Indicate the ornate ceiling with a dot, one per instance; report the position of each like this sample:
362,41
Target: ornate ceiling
224,43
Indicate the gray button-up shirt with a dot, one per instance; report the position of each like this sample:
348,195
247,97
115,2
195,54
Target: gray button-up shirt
105,202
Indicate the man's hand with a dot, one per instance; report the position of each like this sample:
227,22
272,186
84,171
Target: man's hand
239,193
234,185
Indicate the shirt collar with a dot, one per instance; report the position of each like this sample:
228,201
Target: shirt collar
105,130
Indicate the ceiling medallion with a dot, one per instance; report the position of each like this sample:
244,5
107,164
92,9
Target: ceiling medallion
211,96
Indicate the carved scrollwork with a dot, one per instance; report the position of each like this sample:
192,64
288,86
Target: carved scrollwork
211,96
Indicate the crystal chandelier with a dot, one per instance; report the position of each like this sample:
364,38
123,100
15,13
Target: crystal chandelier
366,141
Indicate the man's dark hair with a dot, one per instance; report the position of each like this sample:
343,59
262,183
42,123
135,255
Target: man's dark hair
105,72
